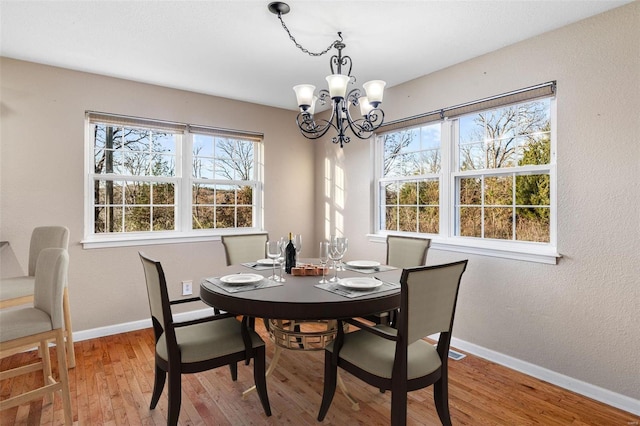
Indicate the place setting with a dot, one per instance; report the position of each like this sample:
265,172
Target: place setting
235,283
367,266
352,287
262,264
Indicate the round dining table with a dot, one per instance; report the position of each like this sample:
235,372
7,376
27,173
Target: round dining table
298,298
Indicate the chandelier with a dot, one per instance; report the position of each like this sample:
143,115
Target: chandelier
370,116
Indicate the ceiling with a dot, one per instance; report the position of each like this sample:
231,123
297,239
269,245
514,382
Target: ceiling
238,49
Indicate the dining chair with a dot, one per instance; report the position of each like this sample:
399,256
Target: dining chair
244,248
15,291
402,252
398,359
196,345
34,326
407,252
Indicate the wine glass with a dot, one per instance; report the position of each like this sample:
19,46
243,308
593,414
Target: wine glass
336,252
283,250
273,253
343,245
297,243
324,257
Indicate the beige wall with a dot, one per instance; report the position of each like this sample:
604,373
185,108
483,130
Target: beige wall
42,178
580,317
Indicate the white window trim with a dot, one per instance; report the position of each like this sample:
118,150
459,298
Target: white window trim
183,196
546,253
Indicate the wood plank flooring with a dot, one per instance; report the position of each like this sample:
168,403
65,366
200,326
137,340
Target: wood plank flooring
113,380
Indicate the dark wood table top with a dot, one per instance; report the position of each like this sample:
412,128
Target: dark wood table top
298,299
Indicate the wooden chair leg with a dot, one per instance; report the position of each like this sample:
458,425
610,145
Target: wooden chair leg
330,379
45,360
158,385
175,397
68,330
398,407
64,377
441,401
260,379
233,367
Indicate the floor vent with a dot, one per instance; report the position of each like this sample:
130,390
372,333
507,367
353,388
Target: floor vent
456,356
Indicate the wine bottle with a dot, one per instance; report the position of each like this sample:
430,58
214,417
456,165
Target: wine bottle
290,255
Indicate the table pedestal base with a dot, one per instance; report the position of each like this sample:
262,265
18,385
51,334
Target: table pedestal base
291,335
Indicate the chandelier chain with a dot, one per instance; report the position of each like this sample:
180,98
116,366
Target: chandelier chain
299,46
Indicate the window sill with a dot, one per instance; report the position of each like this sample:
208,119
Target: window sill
131,240
507,250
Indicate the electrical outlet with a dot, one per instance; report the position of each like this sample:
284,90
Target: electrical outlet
187,287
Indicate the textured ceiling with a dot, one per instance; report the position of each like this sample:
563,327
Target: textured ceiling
239,50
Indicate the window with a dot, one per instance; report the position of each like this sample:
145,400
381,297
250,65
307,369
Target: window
410,180
480,181
503,173
152,179
224,183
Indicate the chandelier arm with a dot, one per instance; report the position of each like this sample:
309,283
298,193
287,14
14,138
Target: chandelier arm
353,96
316,131
311,129
364,127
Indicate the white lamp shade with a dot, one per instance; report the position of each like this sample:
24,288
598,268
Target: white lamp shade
365,106
375,91
338,85
304,95
312,108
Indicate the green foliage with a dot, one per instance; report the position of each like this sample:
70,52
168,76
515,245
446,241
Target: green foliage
491,205
139,206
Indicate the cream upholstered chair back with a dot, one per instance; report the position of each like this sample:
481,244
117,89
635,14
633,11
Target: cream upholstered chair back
244,248
46,237
407,252
157,293
431,294
51,277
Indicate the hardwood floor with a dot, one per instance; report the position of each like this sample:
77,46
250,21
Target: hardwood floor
113,379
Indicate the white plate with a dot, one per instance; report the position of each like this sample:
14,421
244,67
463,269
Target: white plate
267,262
241,279
357,283
363,264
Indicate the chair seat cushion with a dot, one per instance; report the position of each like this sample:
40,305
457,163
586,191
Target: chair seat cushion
375,354
16,323
200,342
14,287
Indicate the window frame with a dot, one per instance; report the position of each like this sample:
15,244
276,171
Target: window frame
446,239
184,179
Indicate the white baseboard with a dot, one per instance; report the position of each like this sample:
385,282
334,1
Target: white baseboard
578,386
583,388
94,333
